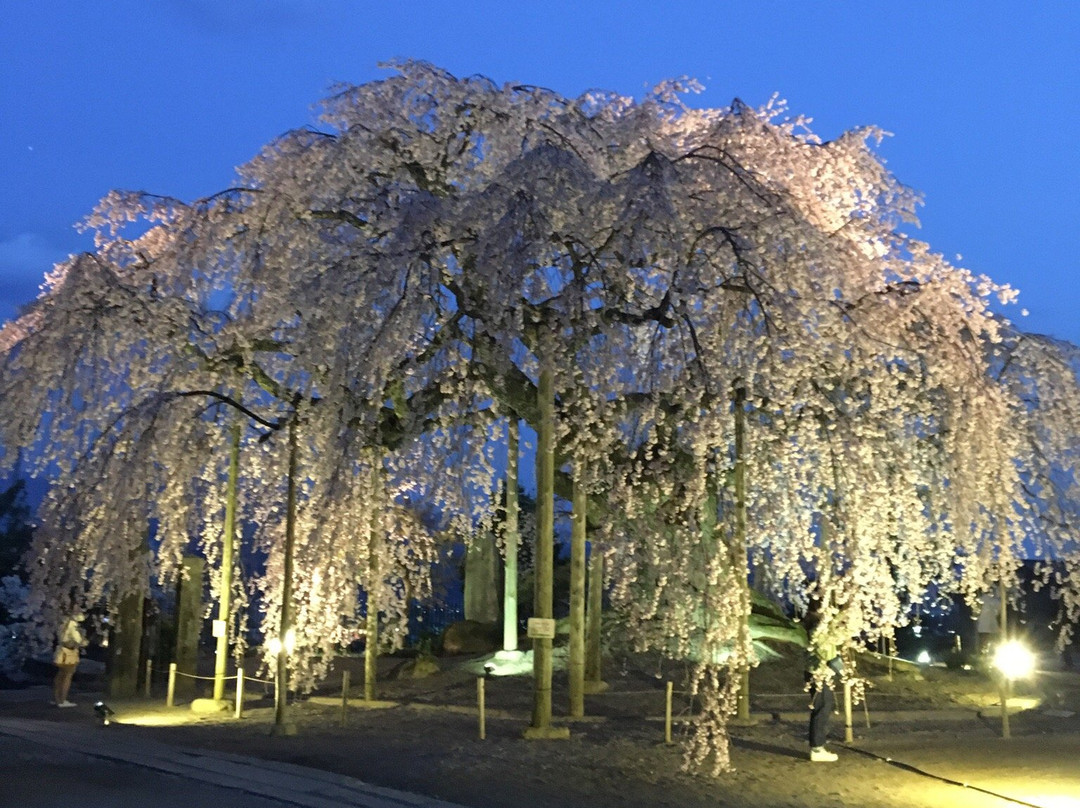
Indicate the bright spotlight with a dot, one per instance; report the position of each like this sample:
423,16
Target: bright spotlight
276,646
1014,660
923,658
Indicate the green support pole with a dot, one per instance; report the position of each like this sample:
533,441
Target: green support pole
221,652
283,724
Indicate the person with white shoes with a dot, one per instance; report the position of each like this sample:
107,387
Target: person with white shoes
822,664
70,641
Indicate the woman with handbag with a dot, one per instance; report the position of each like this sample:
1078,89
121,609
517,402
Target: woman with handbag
66,659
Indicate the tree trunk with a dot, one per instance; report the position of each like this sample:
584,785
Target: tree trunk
221,653
511,538
481,580
125,640
576,663
189,611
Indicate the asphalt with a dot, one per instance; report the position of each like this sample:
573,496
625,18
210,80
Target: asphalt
278,783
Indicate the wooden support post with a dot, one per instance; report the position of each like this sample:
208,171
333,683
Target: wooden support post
667,713
238,711
344,695
170,693
1003,689
480,706
849,734
511,535
575,666
221,651
149,677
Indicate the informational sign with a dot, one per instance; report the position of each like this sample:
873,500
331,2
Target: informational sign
541,628
219,628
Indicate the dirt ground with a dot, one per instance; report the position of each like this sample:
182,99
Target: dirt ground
929,734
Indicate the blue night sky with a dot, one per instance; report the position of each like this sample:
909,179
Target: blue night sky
169,96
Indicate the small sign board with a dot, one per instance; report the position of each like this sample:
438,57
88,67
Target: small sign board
541,628
218,629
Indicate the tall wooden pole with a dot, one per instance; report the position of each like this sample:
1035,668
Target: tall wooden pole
221,653
1004,686
545,555
576,661
283,725
511,538
594,618
374,588
545,545
739,549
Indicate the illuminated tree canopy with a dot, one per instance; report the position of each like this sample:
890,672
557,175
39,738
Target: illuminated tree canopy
394,285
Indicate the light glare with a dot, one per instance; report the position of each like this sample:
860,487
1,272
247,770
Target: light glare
1014,660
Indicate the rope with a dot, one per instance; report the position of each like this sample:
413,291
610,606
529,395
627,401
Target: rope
644,693
941,778
207,678
247,678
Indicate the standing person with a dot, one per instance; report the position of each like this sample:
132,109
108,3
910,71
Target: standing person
822,663
988,623
66,658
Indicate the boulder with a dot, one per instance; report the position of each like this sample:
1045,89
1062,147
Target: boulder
419,668
210,706
471,637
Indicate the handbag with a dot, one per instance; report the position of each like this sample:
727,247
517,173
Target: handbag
66,656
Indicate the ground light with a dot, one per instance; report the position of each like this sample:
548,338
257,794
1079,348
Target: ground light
1013,660
104,712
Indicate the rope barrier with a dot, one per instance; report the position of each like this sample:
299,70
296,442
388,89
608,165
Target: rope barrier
941,778
206,678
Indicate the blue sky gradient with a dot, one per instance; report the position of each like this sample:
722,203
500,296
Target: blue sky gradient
169,96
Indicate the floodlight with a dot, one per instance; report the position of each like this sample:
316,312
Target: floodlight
276,645
1014,660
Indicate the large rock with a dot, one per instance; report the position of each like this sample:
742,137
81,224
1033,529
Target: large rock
210,706
419,668
471,637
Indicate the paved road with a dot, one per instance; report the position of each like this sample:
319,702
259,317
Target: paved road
33,775
49,765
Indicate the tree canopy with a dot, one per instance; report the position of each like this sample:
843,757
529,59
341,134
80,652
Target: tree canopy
394,284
